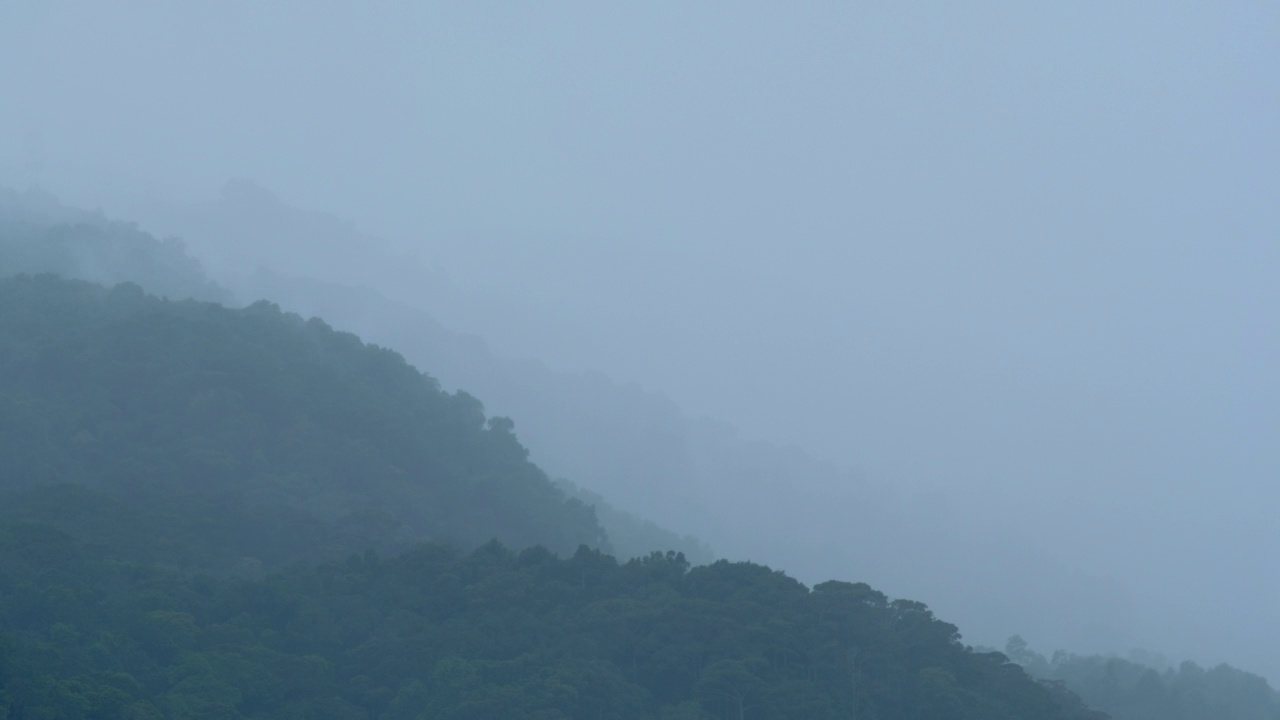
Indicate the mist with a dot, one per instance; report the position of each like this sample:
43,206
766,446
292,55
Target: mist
1007,270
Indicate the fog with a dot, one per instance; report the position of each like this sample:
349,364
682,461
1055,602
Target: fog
991,284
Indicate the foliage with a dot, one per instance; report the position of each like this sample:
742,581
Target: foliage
438,633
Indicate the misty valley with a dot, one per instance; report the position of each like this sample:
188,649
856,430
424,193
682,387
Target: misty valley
639,361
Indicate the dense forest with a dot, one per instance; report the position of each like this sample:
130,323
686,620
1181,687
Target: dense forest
435,633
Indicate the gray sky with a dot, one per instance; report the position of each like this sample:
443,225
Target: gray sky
1021,254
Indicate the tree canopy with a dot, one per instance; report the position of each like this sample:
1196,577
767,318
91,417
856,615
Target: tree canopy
438,633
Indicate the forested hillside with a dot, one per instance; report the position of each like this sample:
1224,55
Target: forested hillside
162,458
285,438
38,234
195,500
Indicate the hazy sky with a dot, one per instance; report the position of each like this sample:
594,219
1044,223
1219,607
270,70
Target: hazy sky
1023,253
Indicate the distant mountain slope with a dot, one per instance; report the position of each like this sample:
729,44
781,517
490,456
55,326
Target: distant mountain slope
250,414
40,235
1131,690
632,536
